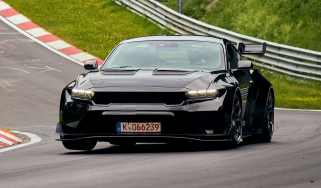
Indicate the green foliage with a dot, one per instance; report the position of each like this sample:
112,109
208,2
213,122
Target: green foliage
93,25
294,93
193,8
293,22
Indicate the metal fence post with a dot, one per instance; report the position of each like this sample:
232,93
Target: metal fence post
180,6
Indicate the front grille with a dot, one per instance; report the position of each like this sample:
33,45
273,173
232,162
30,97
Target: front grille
169,98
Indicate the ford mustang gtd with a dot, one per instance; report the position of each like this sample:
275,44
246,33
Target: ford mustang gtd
168,89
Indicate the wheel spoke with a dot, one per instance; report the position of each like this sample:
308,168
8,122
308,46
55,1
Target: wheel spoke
270,113
236,121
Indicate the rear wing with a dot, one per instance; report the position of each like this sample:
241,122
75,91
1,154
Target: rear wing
252,48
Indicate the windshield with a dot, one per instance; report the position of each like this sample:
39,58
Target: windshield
193,55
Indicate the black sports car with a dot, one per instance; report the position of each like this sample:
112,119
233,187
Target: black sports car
168,89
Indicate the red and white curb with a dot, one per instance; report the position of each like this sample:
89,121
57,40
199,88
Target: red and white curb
33,31
7,138
12,142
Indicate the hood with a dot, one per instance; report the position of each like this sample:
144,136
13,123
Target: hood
146,80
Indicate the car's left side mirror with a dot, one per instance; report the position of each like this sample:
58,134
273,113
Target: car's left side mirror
91,65
245,64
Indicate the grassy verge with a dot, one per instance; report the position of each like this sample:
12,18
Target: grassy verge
292,22
93,25
97,25
294,93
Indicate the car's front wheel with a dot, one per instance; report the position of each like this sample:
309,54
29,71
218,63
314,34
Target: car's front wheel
84,145
236,132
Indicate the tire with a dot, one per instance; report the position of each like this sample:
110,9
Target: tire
84,145
267,119
235,121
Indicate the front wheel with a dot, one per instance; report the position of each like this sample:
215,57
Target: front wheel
84,145
236,133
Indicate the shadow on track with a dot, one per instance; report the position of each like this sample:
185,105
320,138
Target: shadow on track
165,148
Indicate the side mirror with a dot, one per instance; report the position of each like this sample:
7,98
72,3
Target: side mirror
91,65
245,64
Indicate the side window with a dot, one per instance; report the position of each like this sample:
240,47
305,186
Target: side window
232,56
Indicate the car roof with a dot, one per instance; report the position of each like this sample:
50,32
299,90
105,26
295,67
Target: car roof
174,38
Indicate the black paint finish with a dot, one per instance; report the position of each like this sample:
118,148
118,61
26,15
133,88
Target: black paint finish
131,94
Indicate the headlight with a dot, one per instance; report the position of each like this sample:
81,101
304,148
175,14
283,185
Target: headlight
82,94
202,93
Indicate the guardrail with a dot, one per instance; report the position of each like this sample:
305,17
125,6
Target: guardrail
293,61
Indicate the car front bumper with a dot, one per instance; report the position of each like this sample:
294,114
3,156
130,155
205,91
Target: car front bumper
201,121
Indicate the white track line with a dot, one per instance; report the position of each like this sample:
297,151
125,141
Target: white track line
18,19
33,139
3,6
59,44
83,56
37,32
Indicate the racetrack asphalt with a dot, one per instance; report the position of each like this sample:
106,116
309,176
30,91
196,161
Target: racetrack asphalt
31,78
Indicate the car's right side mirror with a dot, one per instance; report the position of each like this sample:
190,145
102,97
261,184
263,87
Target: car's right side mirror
245,64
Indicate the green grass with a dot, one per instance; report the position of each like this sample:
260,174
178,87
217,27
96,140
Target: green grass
97,25
294,93
93,25
292,22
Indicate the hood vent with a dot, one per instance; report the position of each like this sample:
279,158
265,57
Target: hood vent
119,71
